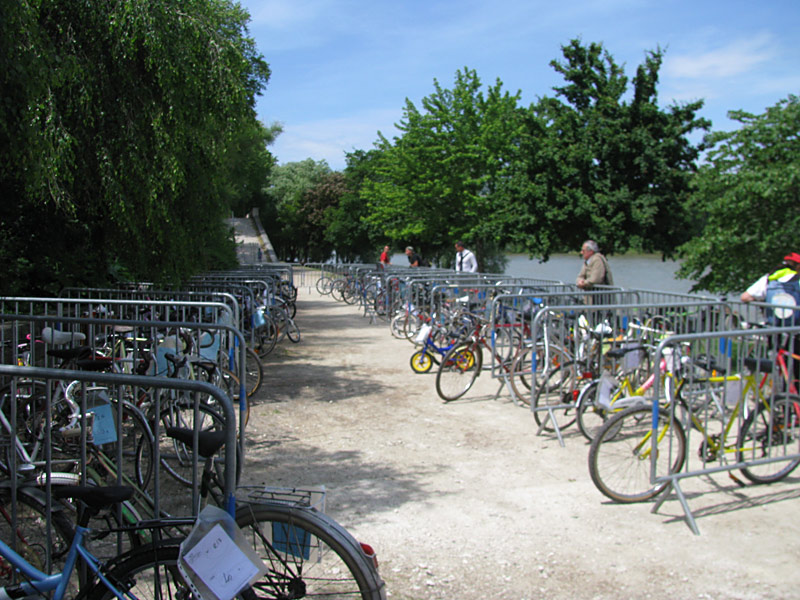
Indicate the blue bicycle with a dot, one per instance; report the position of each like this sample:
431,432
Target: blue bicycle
29,550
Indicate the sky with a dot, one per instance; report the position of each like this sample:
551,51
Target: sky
342,70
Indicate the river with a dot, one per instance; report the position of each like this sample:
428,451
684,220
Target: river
643,271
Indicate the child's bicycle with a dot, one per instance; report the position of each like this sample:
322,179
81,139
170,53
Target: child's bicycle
437,340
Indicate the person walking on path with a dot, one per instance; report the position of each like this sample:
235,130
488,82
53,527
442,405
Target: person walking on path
595,269
465,259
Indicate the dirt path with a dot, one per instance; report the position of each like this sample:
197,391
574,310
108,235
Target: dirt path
464,500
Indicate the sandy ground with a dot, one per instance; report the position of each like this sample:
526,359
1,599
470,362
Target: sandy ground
463,500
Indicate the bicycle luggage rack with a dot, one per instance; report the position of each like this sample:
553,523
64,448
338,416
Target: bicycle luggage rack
301,497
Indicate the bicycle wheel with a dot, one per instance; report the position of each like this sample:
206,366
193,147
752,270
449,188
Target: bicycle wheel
324,285
620,455
398,326
292,331
351,293
560,390
177,458
770,433
307,554
253,370
337,289
26,532
458,370
229,383
421,362
590,415
520,374
266,337
149,572
134,446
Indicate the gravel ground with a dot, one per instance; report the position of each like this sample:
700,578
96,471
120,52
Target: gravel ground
463,500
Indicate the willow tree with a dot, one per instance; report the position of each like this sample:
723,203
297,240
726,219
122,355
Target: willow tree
118,121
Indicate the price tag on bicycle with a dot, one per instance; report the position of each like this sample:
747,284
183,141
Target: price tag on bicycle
215,559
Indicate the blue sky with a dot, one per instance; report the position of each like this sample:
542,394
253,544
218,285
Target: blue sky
342,69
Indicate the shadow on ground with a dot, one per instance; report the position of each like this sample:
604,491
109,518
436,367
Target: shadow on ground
363,485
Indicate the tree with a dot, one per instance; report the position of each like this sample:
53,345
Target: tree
285,221
747,196
598,166
247,167
114,132
347,230
435,183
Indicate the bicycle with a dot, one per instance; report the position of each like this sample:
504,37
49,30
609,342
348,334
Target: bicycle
435,341
620,454
463,363
306,552
145,572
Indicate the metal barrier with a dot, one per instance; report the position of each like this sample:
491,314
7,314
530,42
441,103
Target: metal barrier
81,422
26,336
162,295
583,334
744,416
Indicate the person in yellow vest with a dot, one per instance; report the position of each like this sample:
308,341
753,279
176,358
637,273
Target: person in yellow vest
782,286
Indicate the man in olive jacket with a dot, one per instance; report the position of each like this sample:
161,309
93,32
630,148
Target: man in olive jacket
595,270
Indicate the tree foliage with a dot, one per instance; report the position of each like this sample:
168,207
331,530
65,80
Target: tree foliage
597,160
289,207
434,184
117,134
747,196
598,165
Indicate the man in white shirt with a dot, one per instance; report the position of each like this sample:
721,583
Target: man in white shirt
465,259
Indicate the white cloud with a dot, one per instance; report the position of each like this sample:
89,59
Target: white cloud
736,58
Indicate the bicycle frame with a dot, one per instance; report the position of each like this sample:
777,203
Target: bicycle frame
39,583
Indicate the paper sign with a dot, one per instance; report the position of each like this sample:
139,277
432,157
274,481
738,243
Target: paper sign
104,427
220,564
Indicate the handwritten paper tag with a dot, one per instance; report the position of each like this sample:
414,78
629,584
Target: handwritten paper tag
220,564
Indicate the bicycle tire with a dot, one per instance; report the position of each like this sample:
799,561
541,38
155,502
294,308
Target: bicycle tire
293,331
770,432
337,289
307,554
619,462
351,293
458,370
590,415
138,445
397,326
421,362
149,572
254,370
29,530
177,457
229,383
324,285
559,390
266,336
